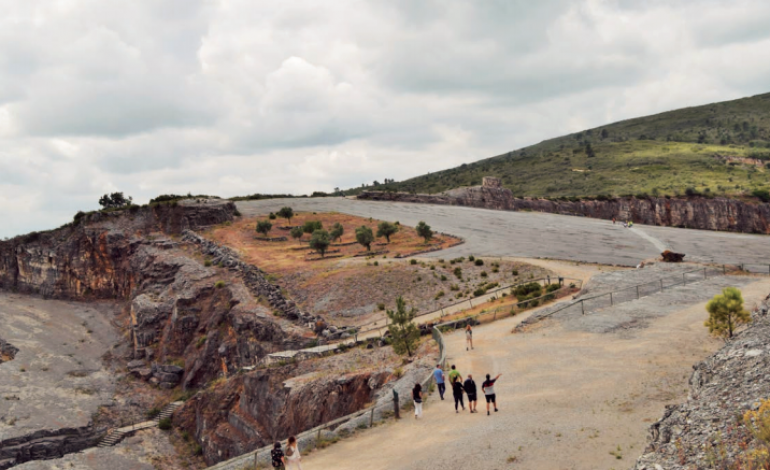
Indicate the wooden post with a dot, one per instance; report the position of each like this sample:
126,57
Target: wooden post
396,409
661,284
583,307
684,279
611,303
371,418
637,292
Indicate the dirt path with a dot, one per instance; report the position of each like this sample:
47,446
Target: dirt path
569,399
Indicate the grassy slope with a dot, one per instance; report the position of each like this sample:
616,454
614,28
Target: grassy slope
662,154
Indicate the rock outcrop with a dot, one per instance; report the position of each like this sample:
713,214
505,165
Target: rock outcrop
708,431
688,212
46,444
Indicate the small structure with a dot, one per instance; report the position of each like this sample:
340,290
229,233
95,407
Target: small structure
671,257
491,182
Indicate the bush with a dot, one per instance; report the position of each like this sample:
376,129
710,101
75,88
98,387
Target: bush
311,226
381,306
528,291
207,263
471,258
454,287
152,412
515,272
412,261
479,262
762,194
164,424
479,292
443,278
264,227
219,284
439,295
458,272
552,287
484,274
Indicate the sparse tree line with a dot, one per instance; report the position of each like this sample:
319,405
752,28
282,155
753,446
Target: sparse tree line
321,239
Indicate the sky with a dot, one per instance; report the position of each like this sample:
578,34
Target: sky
234,97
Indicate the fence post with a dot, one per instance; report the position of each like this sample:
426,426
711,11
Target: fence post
256,454
724,269
684,279
396,409
371,418
611,303
637,292
583,307
661,284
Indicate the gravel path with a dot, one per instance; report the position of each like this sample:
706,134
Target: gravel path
570,397
531,234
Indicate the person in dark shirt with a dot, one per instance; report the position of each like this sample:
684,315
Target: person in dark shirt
277,456
470,390
488,387
457,392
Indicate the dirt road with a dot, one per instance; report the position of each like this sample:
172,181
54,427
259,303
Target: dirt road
569,398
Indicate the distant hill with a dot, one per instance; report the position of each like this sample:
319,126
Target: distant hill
721,148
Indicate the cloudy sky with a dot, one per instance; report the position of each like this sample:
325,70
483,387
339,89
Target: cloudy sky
233,97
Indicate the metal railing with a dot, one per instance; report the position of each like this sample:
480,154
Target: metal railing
755,268
626,294
469,303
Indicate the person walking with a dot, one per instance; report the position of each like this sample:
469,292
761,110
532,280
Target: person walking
438,374
454,375
468,337
457,392
292,457
470,390
417,397
488,387
276,455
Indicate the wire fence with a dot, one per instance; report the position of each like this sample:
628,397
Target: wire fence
755,268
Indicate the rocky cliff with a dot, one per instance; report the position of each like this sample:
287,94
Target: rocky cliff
45,444
692,212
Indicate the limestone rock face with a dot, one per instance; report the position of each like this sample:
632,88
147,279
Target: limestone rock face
45,444
693,212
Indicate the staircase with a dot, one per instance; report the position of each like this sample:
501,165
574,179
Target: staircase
116,435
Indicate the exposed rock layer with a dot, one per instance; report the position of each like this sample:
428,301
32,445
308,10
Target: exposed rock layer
45,444
693,212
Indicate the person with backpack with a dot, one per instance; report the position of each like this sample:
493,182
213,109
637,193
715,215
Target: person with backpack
470,390
488,387
454,375
417,397
293,458
457,392
438,374
276,455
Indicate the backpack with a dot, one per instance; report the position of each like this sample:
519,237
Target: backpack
289,451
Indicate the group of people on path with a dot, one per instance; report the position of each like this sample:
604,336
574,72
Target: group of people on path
626,224
459,386
467,387
288,459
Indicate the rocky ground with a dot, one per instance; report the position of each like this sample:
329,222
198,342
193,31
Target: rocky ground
709,430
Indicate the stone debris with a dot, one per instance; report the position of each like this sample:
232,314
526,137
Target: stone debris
707,431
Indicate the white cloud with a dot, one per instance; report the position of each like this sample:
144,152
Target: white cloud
240,96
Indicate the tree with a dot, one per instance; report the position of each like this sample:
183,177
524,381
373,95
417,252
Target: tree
365,237
320,241
311,226
114,200
726,313
264,227
337,231
297,232
605,133
404,333
424,231
386,229
286,213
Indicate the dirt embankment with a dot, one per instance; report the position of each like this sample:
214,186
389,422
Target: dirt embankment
717,213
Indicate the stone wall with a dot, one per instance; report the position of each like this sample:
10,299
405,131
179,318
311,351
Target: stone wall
693,212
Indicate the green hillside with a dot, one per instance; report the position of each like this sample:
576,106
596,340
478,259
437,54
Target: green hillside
721,148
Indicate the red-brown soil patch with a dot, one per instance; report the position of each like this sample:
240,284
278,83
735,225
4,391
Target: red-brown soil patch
350,290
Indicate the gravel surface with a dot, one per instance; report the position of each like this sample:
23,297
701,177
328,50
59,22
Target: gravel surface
571,396
530,234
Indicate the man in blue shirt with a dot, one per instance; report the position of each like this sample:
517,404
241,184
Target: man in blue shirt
438,374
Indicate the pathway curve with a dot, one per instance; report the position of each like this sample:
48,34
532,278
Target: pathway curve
569,397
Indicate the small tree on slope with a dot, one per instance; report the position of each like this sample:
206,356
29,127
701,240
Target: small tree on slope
365,237
726,313
264,227
403,332
320,241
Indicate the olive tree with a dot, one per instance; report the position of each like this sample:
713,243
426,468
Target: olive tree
365,237
286,213
337,231
386,229
264,227
424,231
320,241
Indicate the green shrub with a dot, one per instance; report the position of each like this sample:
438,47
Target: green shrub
201,341
479,262
164,424
412,261
762,194
381,306
376,263
439,295
454,287
458,272
515,272
528,291
272,216
152,412
471,258
207,263
443,278
479,292
552,287
484,274
219,284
